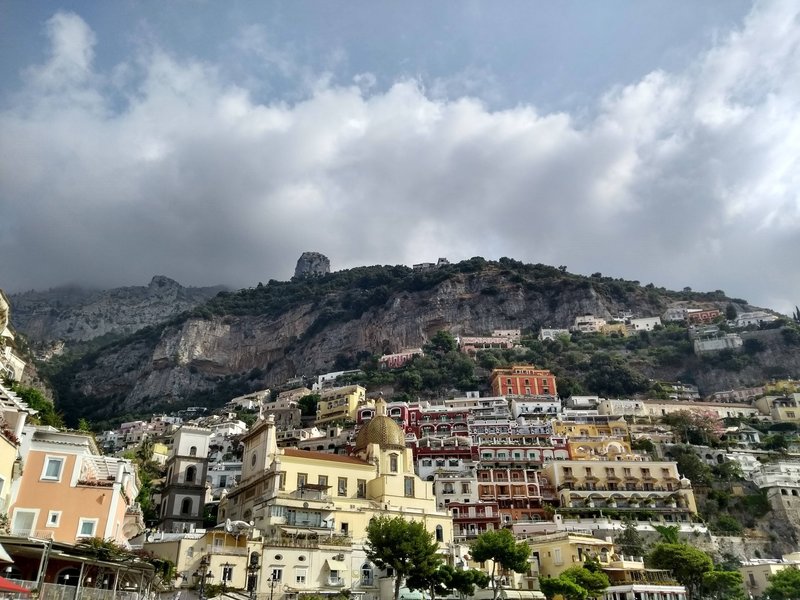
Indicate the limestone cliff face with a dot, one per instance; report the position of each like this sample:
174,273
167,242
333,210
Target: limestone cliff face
198,354
263,336
74,314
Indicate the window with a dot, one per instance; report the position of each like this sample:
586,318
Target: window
345,528
557,557
366,574
465,488
87,527
52,468
24,521
323,480
302,479
439,533
361,488
393,465
342,486
193,451
277,575
186,506
191,473
300,576
53,518
409,487
282,482
227,573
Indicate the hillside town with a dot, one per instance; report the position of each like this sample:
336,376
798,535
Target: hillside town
274,495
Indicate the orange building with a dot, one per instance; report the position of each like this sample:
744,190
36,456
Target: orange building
523,380
68,491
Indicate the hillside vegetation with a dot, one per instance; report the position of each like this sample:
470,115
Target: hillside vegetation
253,338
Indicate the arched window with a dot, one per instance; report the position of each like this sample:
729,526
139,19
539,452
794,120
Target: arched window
393,464
186,506
191,473
366,574
193,451
439,533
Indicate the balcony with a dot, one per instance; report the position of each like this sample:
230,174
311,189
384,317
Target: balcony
335,582
228,551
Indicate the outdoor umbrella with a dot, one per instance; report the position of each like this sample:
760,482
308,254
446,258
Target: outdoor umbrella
10,586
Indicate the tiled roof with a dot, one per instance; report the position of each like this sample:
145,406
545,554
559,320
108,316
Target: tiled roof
310,454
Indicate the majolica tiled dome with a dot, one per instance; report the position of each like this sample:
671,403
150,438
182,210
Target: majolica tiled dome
383,431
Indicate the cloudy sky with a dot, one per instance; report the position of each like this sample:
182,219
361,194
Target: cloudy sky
213,142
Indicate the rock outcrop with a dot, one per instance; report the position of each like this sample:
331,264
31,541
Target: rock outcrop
312,264
75,314
261,337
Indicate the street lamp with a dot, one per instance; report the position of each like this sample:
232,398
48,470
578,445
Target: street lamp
252,574
202,573
272,581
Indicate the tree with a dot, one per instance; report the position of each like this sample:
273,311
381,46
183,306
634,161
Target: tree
690,465
730,312
308,405
447,579
593,581
404,546
442,342
688,564
502,549
796,315
784,585
695,427
668,533
723,585
629,541
562,586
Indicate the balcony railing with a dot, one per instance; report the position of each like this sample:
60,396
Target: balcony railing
228,550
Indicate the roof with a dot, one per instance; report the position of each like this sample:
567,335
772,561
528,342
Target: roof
383,431
311,455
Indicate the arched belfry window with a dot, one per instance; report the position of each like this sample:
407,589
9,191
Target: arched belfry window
191,474
186,506
193,451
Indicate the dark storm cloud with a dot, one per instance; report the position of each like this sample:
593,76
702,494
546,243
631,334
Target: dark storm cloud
161,166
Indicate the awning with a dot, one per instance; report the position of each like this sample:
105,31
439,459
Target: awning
336,565
522,594
4,557
295,531
10,586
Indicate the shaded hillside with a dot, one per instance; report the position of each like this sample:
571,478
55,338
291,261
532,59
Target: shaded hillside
239,341
74,314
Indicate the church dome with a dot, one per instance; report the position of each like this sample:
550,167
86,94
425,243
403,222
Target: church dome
383,431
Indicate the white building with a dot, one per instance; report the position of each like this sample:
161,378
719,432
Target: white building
757,317
644,323
552,334
730,341
534,406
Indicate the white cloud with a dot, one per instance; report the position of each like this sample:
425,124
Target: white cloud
685,178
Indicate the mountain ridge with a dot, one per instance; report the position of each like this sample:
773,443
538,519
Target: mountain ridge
260,337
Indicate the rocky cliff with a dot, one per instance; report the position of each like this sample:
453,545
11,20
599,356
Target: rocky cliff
262,336
74,314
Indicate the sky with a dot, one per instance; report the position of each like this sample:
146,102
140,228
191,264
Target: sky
214,142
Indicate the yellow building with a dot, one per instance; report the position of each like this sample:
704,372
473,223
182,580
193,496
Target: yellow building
310,510
602,448
632,487
592,427
554,553
340,404
214,555
780,409
756,573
